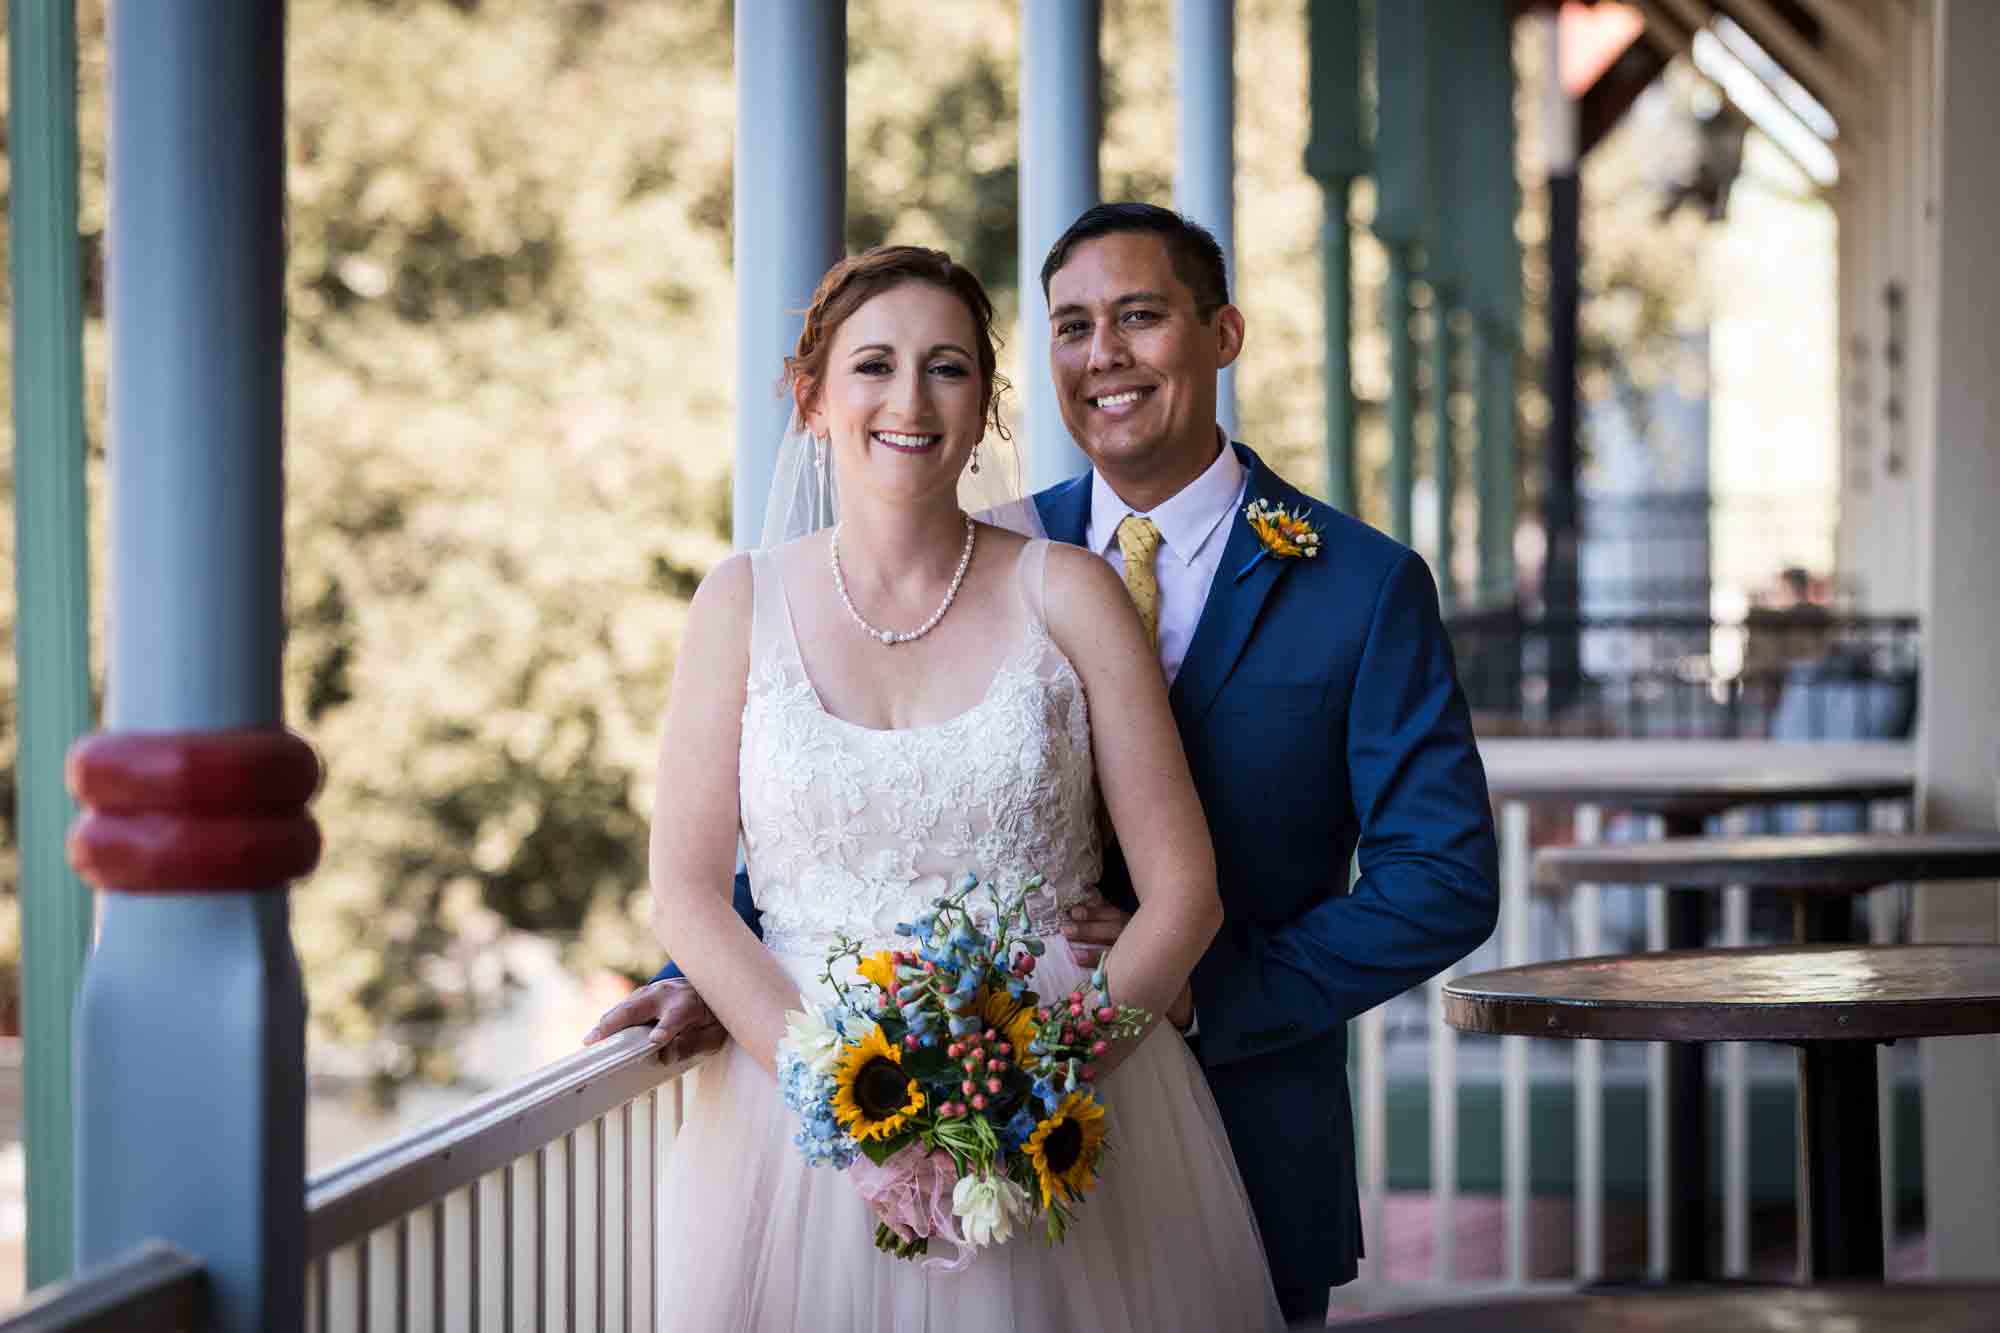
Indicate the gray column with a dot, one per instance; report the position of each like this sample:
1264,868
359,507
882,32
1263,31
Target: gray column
791,199
191,1070
1956,366
1334,157
1402,392
1205,170
52,601
1061,123
1444,462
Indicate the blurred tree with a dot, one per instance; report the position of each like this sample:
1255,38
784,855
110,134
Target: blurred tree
510,383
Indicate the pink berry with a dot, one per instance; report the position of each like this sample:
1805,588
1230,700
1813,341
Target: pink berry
1090,1073
1099,1047
1027,964
1041,1015
1006,1048
1106,1013
1086,1028
989,1035
953,1051
909,1041
968,1087
930,969
996,1065
993,1085
979,1101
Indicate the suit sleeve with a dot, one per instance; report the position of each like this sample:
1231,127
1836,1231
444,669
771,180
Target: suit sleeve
746,907
1428,892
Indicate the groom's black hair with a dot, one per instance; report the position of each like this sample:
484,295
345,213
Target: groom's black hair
1191,248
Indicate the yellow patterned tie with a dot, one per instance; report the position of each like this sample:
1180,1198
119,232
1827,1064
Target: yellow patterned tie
1138,541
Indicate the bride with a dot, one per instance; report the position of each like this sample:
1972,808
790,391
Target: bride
878,707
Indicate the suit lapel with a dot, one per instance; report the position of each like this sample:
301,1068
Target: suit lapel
1065,510
1234,600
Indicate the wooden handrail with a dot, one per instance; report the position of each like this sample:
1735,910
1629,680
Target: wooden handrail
153,1289
348,1201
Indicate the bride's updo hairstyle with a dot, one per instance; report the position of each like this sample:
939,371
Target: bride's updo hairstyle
859,279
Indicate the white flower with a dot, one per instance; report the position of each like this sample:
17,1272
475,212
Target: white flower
988,1206
810,1039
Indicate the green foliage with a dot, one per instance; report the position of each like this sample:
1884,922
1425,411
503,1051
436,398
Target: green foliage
510,386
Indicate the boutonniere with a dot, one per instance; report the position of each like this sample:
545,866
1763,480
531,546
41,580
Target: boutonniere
1285,535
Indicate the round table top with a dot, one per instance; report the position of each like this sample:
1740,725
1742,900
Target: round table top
1795,993
1696,777
1916,1307
1833,863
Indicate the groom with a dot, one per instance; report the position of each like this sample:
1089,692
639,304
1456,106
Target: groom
1319,709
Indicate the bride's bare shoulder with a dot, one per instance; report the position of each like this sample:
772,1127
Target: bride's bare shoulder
1082,598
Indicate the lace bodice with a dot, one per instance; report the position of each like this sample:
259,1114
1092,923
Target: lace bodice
849,828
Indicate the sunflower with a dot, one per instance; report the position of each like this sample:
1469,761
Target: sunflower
1014,1021
1065,1147
880,969
873,1097
1282,532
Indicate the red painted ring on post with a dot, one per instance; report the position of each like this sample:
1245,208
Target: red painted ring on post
193,811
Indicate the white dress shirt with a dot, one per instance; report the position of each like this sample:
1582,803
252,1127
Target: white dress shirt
1193,531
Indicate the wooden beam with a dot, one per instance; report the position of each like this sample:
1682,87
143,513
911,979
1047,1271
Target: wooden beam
1852,28
1832,85
1663,30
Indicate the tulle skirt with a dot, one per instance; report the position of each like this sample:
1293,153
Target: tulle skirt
754,1239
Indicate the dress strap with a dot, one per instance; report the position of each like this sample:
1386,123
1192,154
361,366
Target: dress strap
771,633
1032,571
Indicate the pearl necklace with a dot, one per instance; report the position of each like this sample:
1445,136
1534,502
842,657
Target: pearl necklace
889,636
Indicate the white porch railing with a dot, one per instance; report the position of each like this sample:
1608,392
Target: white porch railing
1534,929
535,1208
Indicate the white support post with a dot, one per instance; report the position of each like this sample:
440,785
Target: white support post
1205,171
1060,126
1958,474
791,197
1587,907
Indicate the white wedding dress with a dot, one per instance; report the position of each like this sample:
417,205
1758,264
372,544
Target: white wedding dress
853,829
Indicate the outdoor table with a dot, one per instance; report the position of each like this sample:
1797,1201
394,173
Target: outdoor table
1832,1001
1926,1307
1823,872
1685,782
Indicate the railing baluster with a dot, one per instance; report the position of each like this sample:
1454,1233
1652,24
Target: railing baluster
437,1267
659,1162
542,1240
1588,907
1515,1165
1374,1137
364,1309
599,1245
507,1243
625,1219
474,1288
1735,1111
401,1286
1656,1106
569,1231
1444,1132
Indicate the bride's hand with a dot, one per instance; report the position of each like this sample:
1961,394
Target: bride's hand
683,1025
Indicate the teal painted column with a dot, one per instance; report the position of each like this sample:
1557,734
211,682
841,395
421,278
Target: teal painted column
52,598
1334,157
1402,393
190,1115
1497,465
1405,219
1444,464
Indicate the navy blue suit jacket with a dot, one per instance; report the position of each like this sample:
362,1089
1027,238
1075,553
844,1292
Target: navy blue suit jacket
1320,712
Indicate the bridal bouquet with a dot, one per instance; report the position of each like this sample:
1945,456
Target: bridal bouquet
961,1103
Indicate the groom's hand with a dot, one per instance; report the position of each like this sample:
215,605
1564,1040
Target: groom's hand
683,1025
1091,931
